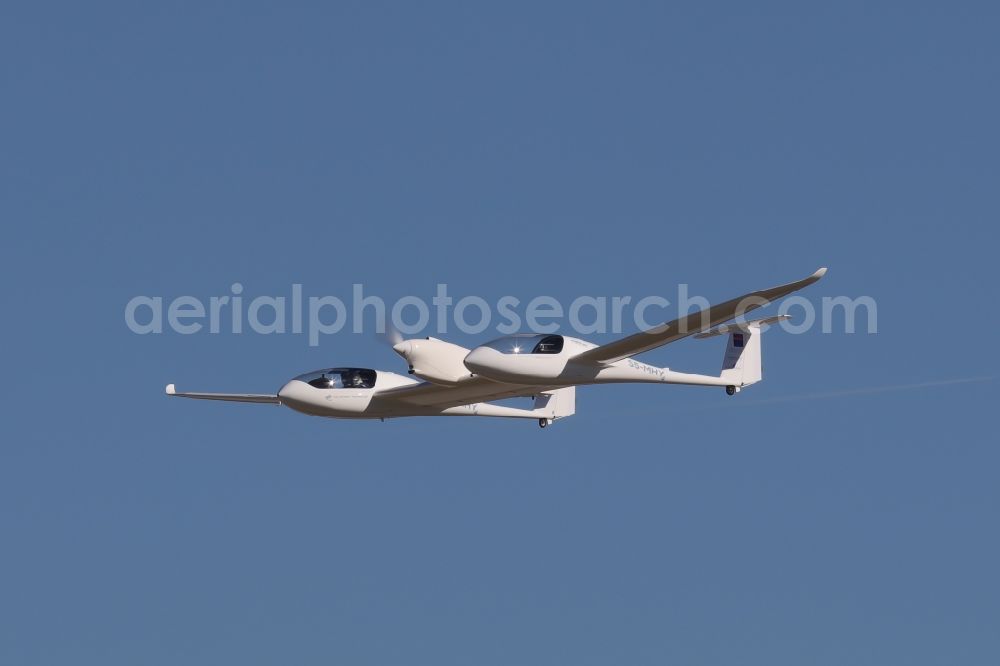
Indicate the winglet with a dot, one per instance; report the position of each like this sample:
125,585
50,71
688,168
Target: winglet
171,390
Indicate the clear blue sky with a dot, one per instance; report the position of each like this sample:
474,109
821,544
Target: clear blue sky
504,148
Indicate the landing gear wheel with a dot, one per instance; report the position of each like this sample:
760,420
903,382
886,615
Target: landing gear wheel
542,423
730,390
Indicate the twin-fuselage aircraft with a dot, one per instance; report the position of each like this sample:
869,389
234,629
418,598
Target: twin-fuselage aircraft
446,379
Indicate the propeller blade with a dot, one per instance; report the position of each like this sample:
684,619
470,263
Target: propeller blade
390,336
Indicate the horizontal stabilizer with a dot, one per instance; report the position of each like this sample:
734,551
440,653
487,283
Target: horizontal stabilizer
743,326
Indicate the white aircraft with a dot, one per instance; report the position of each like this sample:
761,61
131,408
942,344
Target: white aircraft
460,382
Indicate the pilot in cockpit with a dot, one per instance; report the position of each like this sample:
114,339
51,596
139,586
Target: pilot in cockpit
321,382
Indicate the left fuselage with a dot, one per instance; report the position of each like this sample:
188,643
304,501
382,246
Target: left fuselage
340,392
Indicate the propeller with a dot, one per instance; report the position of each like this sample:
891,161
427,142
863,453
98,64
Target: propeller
392,337
428,358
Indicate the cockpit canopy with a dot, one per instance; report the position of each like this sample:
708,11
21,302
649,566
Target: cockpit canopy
527,344
338,378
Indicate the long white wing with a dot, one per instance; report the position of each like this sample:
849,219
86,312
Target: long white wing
474,389
231,397
692,323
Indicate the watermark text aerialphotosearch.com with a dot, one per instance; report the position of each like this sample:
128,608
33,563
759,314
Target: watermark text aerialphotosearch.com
316,316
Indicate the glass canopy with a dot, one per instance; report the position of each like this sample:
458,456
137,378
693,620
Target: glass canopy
338,378
527,344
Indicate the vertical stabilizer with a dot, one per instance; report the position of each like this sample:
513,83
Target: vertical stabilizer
741,365
558,403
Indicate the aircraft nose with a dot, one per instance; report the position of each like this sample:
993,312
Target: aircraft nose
402,348
291,392
284,391
295,394
478,359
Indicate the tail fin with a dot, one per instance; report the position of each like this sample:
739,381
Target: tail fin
741,366
558,403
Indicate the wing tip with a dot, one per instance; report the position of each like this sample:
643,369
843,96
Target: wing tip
171,389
